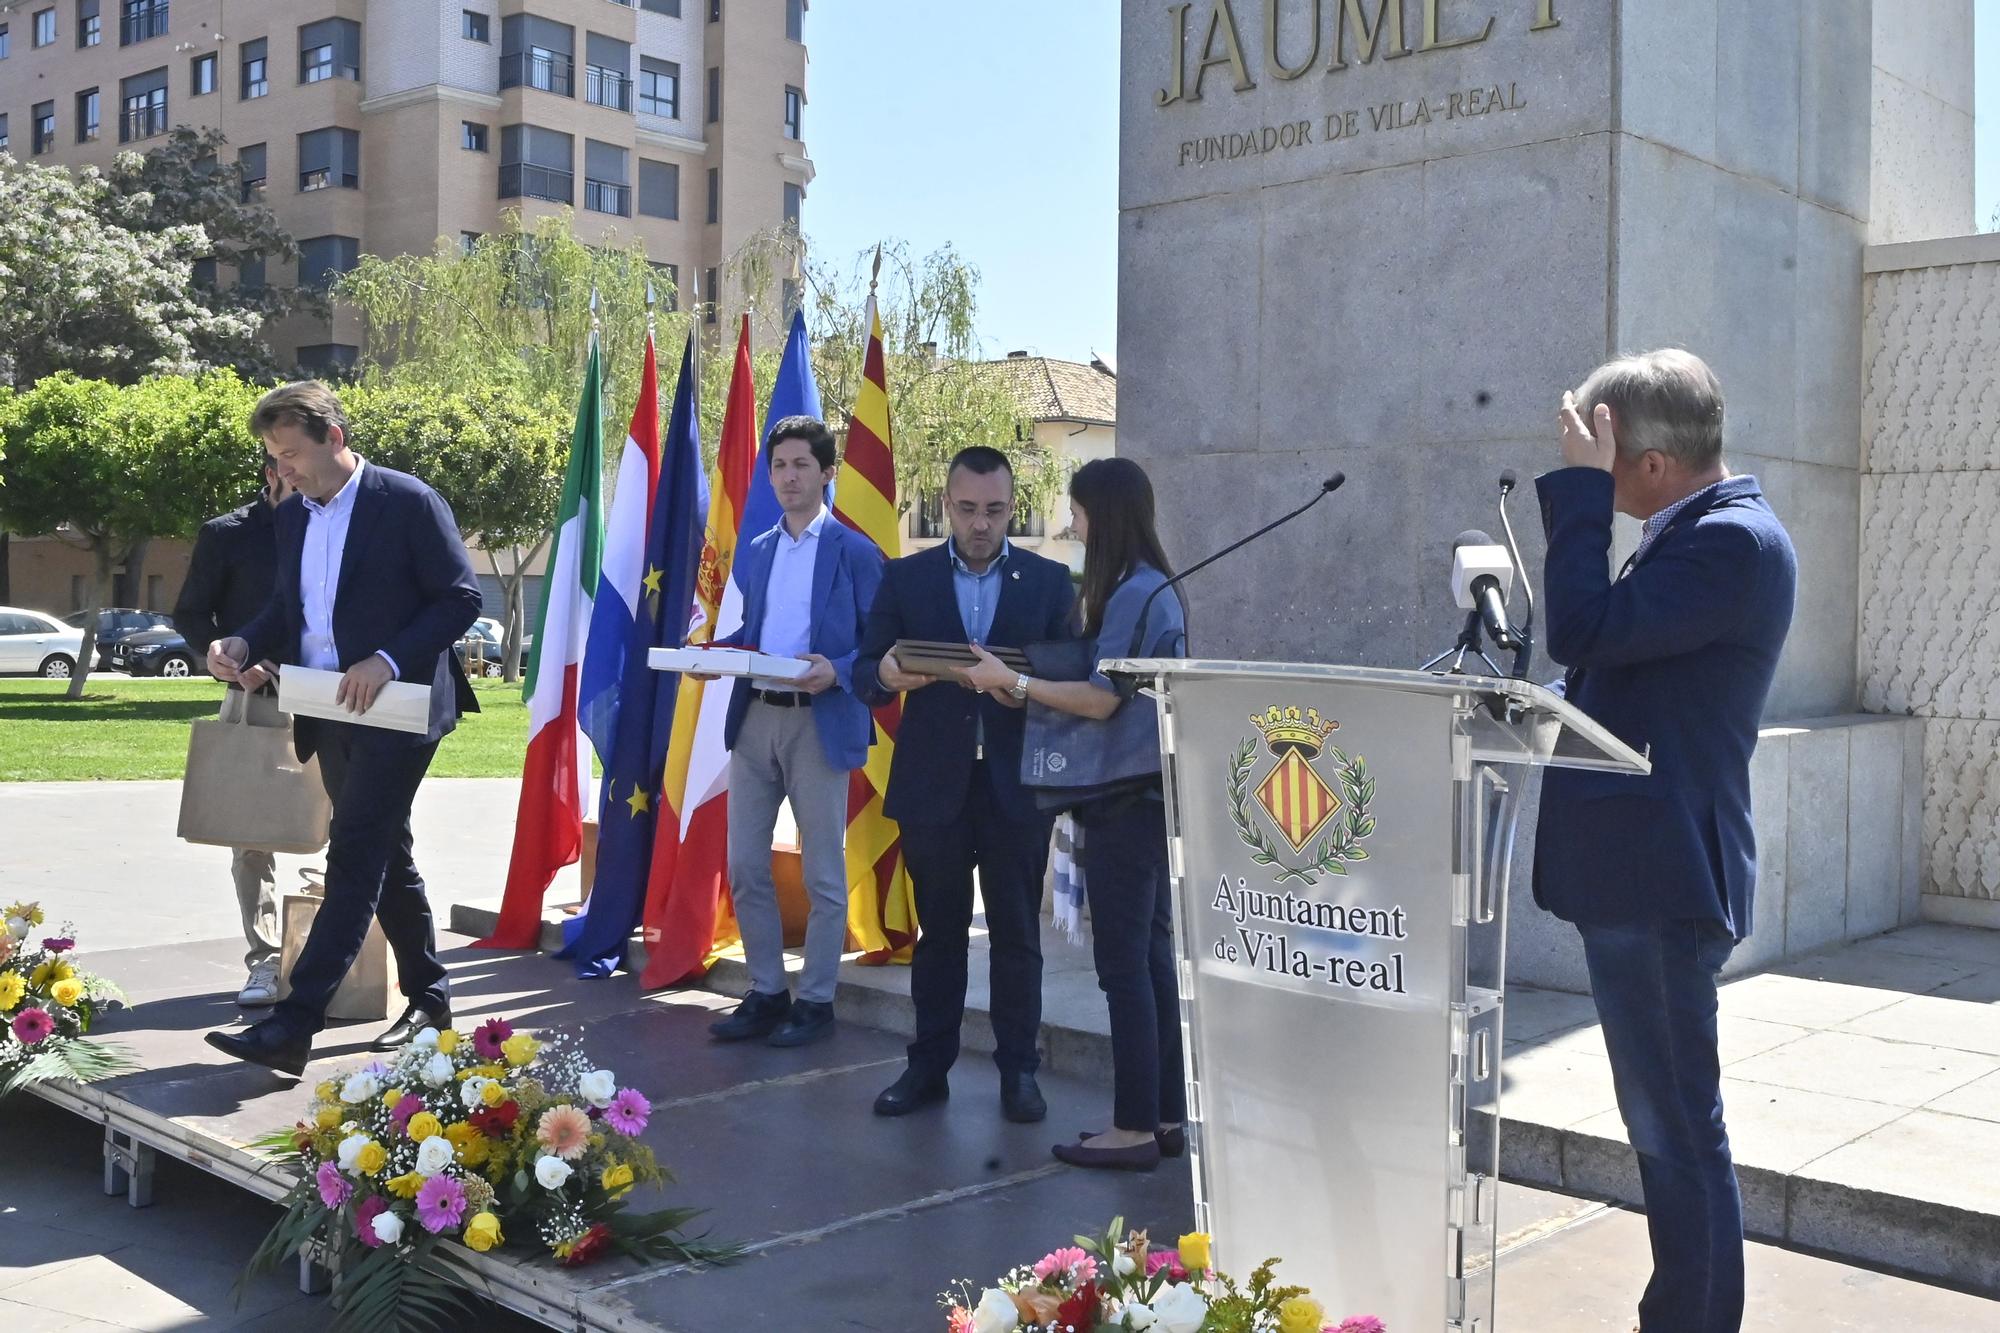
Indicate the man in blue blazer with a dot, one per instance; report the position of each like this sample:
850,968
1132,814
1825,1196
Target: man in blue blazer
955,786
372,581
1675,656
806,586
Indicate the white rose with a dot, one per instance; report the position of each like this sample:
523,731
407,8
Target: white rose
1179,1309
434,1155
1140,1315
425,1040
349,1147
598,1087
438,1071
360,1087
388,1226
995,1313
470,1093
552,1172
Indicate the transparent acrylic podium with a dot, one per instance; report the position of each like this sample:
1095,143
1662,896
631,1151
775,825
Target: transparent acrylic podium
1340,840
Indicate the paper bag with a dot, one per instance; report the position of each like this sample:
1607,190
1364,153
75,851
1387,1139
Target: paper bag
245,787
365,991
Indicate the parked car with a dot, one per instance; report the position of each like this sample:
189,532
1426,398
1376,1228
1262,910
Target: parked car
482,651
157,652
32,643
116,623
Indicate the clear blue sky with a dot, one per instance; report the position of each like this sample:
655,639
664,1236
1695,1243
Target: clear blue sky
995,127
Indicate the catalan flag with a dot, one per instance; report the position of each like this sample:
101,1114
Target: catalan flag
881,910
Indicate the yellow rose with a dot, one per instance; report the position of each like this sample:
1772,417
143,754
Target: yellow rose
618,1179
373,1157
389,1098
447,1040
67,991
11,990
1301,1314
405,1186
492,1094
329,1091
423,1125
482,1233
327,1117
519,1048
1194,1251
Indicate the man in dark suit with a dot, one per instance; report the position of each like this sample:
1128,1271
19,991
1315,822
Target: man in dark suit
229,579
955,786
1675,656
373,581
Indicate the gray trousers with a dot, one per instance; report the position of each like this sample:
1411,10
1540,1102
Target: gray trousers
255,873
778,757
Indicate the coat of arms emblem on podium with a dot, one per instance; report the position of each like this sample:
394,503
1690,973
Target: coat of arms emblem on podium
1318,824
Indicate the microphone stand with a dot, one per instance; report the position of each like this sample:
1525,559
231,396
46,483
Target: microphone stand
1524,655
1468,642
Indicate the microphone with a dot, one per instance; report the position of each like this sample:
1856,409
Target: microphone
1482,575
1326,488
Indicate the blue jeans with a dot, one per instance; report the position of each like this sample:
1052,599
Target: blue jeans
1654,983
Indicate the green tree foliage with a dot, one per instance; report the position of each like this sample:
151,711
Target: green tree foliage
108,467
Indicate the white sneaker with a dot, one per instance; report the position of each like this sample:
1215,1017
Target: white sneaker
262,987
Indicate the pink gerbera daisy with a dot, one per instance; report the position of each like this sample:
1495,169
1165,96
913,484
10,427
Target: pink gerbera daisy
365,1214
1068,1261
564,1131
441,1204
1365,1323
333,1187
405,1110
628,1111
33,1025
58,943
488,1036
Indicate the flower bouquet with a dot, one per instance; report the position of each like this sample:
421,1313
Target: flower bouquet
47,1004
1104,1283
480,1138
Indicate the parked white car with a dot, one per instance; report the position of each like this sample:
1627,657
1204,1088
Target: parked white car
35,644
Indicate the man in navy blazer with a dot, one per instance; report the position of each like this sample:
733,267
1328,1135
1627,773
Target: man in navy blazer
806,586
955,785
1675,656
372,581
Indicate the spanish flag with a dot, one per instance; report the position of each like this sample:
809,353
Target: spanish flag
881,910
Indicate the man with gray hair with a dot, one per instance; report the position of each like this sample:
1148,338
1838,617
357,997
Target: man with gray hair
1675,655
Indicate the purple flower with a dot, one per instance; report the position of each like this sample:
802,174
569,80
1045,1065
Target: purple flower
333,1188
1365,1323
440,1204
33,1025
58,943
405,1110
488,1036
628,1111
365,1213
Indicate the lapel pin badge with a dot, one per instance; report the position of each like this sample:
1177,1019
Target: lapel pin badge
1017,576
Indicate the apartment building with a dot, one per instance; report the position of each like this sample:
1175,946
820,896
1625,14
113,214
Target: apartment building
379,126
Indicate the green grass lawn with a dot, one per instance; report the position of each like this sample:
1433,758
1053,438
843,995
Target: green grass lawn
127,730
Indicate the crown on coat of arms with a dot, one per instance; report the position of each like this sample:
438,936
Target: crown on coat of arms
1288,729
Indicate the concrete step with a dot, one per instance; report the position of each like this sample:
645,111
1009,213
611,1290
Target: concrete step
1862,1086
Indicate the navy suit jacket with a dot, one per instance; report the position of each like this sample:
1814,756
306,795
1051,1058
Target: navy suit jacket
406,588
846,570
1676,655
935,745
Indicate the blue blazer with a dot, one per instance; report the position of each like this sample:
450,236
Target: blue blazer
846,572
935,745
1677,655
406,588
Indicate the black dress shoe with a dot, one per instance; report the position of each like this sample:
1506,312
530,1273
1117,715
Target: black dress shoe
1173,1142
1139,1157
405,1029
268,1044
808,1022
913,1090
758,1016
1020,1100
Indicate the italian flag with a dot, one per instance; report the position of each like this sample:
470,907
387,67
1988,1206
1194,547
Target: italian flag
548,828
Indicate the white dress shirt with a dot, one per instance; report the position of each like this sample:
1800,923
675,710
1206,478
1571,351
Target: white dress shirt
787,627
319,573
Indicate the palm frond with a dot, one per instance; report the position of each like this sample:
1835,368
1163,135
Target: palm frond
75,1058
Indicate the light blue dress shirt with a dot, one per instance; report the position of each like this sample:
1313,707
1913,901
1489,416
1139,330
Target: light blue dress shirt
787,627
319,574
978,594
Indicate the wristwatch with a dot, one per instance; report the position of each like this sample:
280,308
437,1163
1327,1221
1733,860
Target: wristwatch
1019,689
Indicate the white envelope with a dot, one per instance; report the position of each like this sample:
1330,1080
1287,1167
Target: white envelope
728,662
308,692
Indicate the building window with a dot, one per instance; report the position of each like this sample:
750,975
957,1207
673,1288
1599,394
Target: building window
714,195
250,162
6,42
89,27
89,109
43,132
671,8
927,519
714,94
715,11
205,274
144,99
795,20
606,187
250,275
475,27
671,277
795,198
3,132
659,88
45,27
141,20
328,360
712,279
256,70
330,49
468,241
472,136
659,189
607,79
202,79
324,258
537,164
795,106
329,159
536,53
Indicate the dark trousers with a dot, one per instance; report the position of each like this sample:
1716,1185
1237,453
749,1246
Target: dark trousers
1011,855
1124,860
1654,983
371,776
